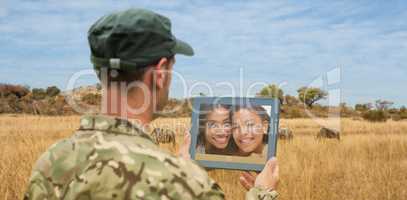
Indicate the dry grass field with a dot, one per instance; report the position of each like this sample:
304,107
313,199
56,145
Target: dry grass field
369,163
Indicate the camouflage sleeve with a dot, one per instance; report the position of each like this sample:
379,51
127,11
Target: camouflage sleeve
214,194
41,185
257,193
38,188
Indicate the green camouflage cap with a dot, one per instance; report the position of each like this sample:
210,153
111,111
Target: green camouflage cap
131,39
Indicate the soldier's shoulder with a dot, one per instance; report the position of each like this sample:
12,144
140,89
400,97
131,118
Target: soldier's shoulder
51,160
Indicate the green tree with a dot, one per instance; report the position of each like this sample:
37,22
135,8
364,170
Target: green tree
310,95
383,105
272,91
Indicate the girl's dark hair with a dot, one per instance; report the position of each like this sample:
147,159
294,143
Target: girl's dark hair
204,111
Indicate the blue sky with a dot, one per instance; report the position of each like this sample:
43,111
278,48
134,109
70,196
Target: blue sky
290,43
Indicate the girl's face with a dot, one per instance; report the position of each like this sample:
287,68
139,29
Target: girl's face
218,128
248,130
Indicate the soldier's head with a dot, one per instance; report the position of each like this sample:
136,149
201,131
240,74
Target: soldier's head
135,50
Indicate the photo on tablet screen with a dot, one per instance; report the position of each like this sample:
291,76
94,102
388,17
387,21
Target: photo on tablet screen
234,133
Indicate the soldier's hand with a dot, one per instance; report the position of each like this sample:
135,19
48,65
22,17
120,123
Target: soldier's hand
247,180
184,149
268,178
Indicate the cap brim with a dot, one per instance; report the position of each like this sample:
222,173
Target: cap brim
182,47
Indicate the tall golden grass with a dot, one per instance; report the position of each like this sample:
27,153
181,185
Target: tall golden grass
369,163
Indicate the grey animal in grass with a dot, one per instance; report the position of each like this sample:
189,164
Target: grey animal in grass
329,133
285,134
163,136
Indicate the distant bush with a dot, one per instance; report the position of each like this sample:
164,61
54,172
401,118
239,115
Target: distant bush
375,116
16,90
402,115
92,99
363,107
99,86
292,112
10,104
38,93
396,117
176,108
346,111
52,91
51,106
290,100
5,107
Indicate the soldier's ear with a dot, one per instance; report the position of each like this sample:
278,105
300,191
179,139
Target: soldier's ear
160,72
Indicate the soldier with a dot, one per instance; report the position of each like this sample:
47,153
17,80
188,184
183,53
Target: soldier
110,157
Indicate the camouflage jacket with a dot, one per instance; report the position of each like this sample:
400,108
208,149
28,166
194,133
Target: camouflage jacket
109,158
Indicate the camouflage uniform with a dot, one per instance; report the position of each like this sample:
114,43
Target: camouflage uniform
110,158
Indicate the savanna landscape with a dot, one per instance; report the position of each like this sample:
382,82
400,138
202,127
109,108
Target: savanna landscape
369,162
337,69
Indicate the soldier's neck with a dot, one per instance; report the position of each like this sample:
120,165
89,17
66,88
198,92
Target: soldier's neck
131,107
